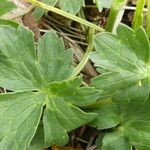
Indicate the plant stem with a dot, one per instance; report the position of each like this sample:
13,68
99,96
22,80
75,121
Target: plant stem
65,14
114,11
81,15
86,56
148,19
138,16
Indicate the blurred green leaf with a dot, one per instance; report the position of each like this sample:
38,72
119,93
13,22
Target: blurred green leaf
6,6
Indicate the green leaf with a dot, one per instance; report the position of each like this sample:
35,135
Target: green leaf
66,5
42,77
38,142
103,4
55,118
107,114
130,123
134,93
71,6
71,92
6,6
137,41
38,12
18,60
55,63
125,60
19,117
115,141
7,22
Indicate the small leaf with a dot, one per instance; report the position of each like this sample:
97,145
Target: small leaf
125,60
6,6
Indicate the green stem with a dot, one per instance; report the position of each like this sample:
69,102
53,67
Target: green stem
86,56
148,19
115,8
65,14
81,15
138,16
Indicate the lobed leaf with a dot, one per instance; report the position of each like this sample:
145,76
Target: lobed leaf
130,122
123,60
40,83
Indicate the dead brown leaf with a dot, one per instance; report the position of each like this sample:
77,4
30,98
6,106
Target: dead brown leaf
30,22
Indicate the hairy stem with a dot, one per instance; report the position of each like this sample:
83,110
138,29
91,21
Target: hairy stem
86,56
65,14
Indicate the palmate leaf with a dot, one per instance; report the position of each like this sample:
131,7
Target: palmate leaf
124,60
71,6
6,6
130,123
42,87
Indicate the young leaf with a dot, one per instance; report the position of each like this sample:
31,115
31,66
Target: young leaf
125,59
130,123
67,5
39,78
6,6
